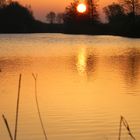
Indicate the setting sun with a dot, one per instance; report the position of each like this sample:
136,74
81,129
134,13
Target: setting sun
81,8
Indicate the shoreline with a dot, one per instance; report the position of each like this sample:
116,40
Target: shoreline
117,35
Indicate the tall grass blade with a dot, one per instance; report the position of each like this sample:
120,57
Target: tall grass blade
37,104
126,125
7,126
17,108
120,129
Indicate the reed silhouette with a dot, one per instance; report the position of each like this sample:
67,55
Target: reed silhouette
7,126
37,104
126,125
17,108
14,137
123,121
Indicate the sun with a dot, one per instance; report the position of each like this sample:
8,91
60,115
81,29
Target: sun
81,8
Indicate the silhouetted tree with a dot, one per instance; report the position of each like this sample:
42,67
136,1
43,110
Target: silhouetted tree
114,12
132,9
15,18
29,8
92,10
51,17
59,18
71,12
131,6
72,16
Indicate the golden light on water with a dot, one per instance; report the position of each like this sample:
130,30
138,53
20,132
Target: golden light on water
81,8
81,61
83,82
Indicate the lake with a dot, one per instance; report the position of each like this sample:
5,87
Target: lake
85,83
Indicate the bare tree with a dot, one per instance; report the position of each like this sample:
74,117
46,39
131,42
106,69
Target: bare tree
90,7
131,6
92,10
60,18
114,12
51,17
71,12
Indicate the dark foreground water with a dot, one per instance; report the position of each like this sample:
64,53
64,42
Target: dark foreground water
84,84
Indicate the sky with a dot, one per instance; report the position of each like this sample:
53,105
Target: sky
41,7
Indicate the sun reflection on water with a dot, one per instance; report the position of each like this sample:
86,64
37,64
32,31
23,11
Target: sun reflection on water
81,61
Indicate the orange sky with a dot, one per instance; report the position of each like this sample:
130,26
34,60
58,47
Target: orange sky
41,7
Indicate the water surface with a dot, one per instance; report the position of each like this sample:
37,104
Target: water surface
84,84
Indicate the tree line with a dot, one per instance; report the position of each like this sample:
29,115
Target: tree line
123,18
113,12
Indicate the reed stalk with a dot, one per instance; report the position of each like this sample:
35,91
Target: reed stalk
17,108
126,125
7,126
37,104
